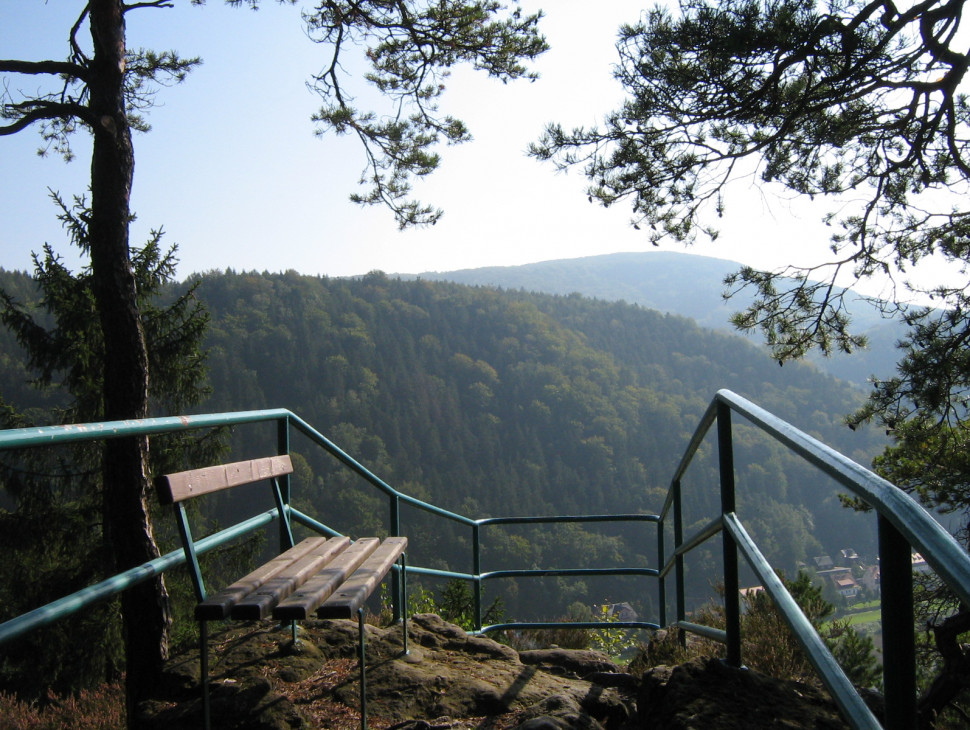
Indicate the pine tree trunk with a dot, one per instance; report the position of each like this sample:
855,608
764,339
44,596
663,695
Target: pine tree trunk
128,537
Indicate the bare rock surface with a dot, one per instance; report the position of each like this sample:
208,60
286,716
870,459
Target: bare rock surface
451,681
449,673
575,662
707,694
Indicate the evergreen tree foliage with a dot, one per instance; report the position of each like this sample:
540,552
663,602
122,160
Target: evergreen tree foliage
860,105
768,644
859,102
103,88
411,48
53,533
66,355
771,647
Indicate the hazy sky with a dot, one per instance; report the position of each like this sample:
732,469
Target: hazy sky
234,174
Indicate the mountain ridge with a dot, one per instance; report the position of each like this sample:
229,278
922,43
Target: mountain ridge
659,280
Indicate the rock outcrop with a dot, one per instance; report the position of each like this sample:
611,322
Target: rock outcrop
707,694
449,679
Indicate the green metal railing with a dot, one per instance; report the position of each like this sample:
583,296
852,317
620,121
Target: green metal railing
287,422
903,526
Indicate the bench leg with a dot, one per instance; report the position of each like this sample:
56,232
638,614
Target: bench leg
404,600
363,676
204,671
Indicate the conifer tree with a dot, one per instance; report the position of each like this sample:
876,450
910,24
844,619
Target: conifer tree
859,103
60,496
103,86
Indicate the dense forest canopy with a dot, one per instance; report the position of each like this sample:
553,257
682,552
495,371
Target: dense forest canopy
491,403
660,280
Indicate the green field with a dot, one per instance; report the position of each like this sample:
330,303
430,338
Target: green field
863,617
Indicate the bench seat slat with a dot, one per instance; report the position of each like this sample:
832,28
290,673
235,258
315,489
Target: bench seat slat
352,594
320,587
218,606
183,485
259,604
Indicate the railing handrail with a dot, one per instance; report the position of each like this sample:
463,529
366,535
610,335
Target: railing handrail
17,438
34,436
40,436
903,523
921,530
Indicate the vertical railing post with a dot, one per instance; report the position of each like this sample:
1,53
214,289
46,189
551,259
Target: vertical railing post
732,588
397,610
662,583
283,447
284,486
477,571
679,560
899,648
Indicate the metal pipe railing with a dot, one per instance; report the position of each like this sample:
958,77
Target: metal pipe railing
903,526
285,420
22,438
534,573
63,607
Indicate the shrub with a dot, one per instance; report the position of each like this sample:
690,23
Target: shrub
102,708
768,645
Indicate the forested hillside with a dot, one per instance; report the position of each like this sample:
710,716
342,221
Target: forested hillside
684,284
503,403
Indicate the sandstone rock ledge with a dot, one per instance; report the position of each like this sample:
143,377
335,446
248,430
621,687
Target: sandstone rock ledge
452,680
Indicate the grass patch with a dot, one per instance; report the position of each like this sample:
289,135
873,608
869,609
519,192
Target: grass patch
98,709
863,617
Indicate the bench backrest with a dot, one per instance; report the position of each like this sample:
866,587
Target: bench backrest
174,489
184,485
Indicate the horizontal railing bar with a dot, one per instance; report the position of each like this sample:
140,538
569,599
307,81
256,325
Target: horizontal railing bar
546,625
555,572
351,463
307,521
71,433
838,685
566,518
17,438
90,595
708,632
928,536
436,573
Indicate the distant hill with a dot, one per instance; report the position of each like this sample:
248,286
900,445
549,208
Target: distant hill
492,403
678,283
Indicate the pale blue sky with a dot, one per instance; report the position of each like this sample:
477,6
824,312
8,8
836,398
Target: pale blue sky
234,174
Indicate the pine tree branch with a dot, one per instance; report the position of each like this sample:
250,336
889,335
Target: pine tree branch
47,110
149,4
36,68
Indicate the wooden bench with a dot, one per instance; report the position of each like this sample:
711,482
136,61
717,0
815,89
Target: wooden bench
327,577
